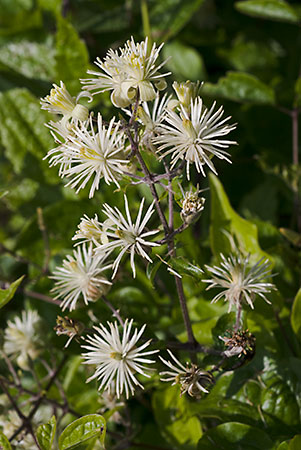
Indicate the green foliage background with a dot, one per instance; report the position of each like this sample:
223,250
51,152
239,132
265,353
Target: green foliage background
248,54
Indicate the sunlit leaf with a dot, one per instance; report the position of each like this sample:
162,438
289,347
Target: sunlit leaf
71,55
46,433
4,442
7,294
296,314
225,219
185,267
81,430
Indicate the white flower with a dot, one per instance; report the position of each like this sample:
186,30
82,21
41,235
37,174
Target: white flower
129,237
151,119
80,275
117,358
190,378
90,230
238,281
124,72
195,137
88,154
22,338
61,102
61,132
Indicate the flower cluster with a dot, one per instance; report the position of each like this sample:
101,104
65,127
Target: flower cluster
177,131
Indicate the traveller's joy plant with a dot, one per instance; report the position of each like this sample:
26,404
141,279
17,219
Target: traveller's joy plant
182,136
174,131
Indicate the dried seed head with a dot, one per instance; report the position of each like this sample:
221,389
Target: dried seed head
239,343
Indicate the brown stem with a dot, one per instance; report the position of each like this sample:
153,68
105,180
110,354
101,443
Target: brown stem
44,298
154,193
48,386
185,313
173,234
196,348
35,396
11,369
114,311
170,197
11,399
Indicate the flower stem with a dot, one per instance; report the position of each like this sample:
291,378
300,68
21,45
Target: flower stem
114,311
238,318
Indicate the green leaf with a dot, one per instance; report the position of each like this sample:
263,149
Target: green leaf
51,5
280,398
184,267
185,62
170,16
22,128
245,55
295,443
18,16
283,446
292,236
81,430
30,59
235,436
278,10
176,418
152,269
223,217
7,294
4,442
45,434
241,87
72,57
3,193
296,314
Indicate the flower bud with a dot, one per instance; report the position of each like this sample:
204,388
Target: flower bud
186,92
80,112
192,206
